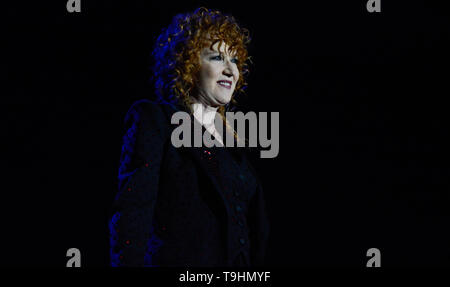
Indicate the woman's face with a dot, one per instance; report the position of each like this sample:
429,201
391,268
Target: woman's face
218,75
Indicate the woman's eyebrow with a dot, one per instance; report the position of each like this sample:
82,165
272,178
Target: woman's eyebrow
212,52
209,52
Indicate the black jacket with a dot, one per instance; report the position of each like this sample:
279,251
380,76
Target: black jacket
173,208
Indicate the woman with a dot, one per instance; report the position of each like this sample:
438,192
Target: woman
189,206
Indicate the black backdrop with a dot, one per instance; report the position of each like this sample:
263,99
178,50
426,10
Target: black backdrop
363,156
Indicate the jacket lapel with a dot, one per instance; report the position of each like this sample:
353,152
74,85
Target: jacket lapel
196,154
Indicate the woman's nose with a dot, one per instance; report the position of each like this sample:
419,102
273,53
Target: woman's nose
227,72
228,69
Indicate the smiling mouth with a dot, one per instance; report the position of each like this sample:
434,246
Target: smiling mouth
225,84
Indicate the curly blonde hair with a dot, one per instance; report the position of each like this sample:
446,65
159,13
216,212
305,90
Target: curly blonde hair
177,51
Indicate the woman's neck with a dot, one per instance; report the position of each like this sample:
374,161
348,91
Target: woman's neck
206,116
203,113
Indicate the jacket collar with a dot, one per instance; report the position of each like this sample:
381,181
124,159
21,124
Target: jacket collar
196,153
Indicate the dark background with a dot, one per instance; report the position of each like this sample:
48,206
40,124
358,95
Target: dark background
364,120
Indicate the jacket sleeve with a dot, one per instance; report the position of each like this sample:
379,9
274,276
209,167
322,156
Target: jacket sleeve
140,161
259,228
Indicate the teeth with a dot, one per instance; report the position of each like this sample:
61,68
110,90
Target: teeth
225,83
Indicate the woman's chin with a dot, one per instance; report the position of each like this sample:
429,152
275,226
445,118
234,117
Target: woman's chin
222,101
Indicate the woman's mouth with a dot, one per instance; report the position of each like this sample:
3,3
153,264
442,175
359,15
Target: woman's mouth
225,84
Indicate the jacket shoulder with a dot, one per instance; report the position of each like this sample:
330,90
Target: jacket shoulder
143,108
149,115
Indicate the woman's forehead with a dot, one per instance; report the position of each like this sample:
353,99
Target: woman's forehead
218,46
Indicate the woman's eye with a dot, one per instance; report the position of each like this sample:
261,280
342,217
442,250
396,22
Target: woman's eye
220,58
